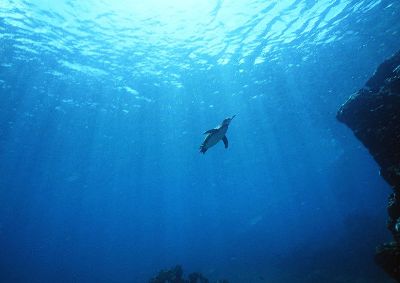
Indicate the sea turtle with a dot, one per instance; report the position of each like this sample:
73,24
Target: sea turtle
215,135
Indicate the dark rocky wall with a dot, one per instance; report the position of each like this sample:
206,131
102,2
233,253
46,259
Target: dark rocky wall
373,114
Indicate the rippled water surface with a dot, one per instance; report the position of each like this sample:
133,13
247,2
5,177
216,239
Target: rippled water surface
102,109
164,41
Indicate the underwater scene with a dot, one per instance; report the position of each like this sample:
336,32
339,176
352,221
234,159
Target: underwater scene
184,141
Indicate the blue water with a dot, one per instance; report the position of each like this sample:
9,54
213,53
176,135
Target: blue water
102,109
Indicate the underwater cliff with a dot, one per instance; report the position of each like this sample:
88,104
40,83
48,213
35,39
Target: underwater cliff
373,114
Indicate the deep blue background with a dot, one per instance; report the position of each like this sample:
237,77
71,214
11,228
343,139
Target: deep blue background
98,187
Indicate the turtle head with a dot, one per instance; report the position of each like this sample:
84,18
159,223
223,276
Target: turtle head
228,120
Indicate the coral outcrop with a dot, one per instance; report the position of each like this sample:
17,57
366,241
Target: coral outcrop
373,114
175,275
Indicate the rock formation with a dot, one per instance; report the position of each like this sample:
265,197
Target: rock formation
373,114
175,275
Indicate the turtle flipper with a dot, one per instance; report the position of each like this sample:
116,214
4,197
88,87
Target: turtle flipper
225,140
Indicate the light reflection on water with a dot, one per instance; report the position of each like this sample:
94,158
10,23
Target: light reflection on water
125,40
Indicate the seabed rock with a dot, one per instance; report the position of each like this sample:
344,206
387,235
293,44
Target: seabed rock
373,114
175,275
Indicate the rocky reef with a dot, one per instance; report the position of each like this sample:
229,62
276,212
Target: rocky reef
175,275
373,114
